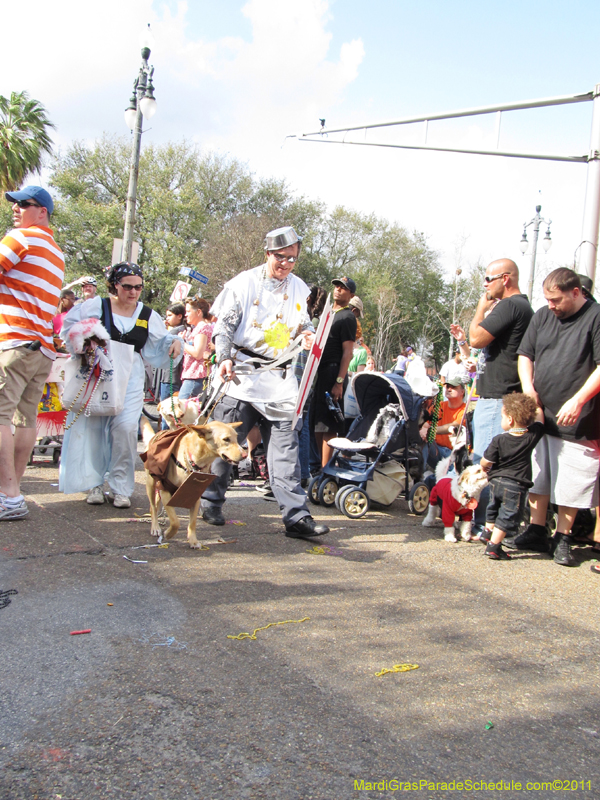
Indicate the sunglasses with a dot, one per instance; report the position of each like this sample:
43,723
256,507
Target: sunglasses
290,259
494,277
129,288
26,204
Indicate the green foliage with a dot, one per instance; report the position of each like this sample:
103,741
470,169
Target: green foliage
211,213
24,139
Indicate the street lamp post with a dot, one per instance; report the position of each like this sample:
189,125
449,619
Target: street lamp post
142,104
546,243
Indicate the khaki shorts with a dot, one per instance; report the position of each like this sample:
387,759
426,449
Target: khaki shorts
567,471
23,374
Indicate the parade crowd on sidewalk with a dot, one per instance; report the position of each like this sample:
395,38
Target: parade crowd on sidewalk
521,392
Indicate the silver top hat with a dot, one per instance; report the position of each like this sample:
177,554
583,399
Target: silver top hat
281,237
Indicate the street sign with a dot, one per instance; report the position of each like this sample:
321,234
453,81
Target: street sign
180,292
195,276
118,247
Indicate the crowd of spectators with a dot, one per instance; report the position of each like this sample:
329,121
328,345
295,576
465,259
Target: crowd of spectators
536,394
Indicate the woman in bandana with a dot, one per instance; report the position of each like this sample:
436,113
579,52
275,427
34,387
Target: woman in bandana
99,448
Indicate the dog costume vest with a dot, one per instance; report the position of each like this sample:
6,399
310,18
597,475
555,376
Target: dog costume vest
159,453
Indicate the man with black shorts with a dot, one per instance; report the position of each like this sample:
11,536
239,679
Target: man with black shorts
332,375
500,321
562,343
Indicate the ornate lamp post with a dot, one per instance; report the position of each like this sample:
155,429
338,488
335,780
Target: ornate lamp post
546,244
142,104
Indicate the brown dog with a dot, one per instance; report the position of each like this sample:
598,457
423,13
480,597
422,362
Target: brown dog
195,451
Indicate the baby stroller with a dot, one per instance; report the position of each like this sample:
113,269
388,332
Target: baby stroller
381,457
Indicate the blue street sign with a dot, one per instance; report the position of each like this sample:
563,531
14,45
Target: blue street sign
191,273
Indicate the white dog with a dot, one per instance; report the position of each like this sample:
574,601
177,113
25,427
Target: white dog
176,412
454,498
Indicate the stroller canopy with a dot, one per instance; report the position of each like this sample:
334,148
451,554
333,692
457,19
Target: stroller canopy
374,390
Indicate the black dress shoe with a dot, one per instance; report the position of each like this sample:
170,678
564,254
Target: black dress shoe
306,528
213,515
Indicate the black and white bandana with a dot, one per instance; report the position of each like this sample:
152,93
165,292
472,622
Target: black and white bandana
120,271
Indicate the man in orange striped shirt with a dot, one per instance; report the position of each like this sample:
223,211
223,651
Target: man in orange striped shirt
31,275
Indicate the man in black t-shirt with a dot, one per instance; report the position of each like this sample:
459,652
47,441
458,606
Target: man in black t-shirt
332,375
563,342
500,322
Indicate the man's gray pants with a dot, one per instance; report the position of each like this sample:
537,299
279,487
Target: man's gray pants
281,445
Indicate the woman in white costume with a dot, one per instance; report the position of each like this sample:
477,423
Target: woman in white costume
97,448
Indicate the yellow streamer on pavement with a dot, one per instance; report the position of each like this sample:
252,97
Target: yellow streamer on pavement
270,625
397,668
318,550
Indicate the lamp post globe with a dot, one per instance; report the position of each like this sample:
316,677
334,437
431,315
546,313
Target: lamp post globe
546,244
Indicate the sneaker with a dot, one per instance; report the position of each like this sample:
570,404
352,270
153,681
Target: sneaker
269,495
121,501
10,510
477,530
95,496
264,488
562,550
485,537
535,538
495,552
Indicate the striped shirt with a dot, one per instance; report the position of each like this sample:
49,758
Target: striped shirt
31,275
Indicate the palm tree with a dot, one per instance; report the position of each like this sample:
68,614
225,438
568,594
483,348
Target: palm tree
24,138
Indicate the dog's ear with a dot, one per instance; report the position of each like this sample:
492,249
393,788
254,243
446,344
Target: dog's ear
234,424
204,431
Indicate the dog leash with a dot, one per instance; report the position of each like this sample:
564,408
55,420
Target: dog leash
464,414
171,362
247,368
258,363
218,392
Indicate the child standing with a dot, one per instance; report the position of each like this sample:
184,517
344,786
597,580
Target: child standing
507,460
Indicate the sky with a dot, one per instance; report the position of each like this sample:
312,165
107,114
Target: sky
239,77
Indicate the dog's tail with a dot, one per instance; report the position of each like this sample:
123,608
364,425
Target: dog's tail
147,430
442,468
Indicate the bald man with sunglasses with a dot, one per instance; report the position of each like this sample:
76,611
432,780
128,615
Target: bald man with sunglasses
499,324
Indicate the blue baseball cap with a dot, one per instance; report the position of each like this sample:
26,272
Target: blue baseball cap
41,196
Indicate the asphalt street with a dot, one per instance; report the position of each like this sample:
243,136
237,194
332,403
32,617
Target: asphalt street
158,703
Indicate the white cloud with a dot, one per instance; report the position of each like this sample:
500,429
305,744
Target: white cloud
243,95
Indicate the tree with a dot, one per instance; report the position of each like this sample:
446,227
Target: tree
210,213
180,192
24,139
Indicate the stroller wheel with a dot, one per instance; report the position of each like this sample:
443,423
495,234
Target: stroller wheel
327,492
551,519
312,490
354,502
418,498
338,496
